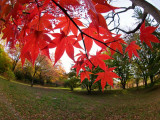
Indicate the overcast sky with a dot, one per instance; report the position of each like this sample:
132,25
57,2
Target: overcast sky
125,3
126,23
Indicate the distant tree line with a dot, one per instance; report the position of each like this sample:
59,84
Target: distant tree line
42,73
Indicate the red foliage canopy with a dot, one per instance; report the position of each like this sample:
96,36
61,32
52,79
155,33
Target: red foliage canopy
33,24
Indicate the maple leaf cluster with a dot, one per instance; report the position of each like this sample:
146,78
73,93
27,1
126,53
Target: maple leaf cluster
39,25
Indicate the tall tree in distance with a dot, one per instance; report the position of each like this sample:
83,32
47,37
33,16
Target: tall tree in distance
122,69
149,64
15,56
5,61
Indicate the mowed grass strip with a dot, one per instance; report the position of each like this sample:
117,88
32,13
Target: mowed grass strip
24,102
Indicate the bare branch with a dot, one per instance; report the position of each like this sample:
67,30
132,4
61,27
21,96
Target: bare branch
113,16
134,30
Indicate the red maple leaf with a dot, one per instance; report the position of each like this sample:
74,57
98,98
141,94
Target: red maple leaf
65,43
95,7
97,60
147,36
103,6
97,20
35,42
132,49
66,3
92,32
82,62
9,34
87,40
115,43
106,77
43,22
85,74
67,25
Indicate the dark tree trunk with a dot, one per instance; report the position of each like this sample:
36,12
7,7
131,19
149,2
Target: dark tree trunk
32,82
137,84
124,86
99,88
89,91
71,88
14,66
149,8
15,63
123,83
145,81
151,78
89,88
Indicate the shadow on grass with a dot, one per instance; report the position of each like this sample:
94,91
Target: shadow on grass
99,93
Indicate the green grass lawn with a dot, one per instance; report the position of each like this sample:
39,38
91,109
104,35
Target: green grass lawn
21,102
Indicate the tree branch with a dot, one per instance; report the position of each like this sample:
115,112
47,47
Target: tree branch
117,13
134,30
65,12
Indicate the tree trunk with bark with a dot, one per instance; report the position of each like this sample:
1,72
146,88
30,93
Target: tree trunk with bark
123,83
32,82
148,8
151,78
145,81
137,83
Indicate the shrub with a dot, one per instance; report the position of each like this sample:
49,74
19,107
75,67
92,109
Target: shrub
19,75
9,75
71,83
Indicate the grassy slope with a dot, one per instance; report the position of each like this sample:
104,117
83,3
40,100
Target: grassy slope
23,102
